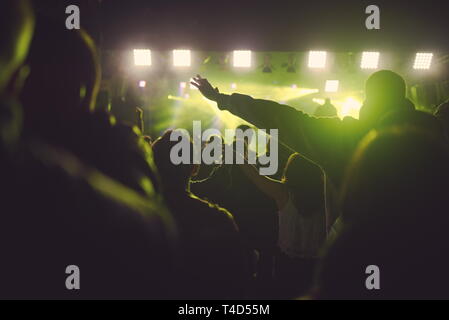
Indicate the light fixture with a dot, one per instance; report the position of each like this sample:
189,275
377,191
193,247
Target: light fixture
331,86
317,59
181,58
370,60
242,58
423,60
142,57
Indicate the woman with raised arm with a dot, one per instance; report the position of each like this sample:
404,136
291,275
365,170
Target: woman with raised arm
299,197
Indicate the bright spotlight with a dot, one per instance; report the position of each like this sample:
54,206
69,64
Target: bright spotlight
242,58
181,58
370,60
142,57
317,59
423,60
233,86
182,85
142,84
331,86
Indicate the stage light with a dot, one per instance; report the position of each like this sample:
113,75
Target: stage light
331,86
317,59
182,85
142,57
142,84
319,101
233,86
370,60
423,60
242,58
181,58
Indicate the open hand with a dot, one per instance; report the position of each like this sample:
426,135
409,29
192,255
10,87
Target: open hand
205,88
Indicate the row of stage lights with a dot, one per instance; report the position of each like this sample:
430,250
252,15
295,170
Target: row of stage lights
316,59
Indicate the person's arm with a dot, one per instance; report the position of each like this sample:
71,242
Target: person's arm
316,139
273,188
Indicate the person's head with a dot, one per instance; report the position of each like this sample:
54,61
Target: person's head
305,180
384,90
174,177
16,30
65,73
327,101
393,172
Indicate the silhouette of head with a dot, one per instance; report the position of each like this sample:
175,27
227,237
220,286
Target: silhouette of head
64,71
173,176
393,172
385,91
16,30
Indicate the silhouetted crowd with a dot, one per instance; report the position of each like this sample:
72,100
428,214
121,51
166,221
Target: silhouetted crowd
81,187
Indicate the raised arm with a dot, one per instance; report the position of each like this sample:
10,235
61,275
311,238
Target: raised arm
317,139
273,188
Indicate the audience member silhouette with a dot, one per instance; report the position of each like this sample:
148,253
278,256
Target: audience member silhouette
59,97
214,262
302,220
394,213
58,212
329,142
326,110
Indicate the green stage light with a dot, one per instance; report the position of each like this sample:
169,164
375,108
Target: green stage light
331,86
423,60
242,58
370,60
142,57
181,58
317,59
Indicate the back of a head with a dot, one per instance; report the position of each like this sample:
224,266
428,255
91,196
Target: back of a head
64,71
385,91
305,179
173,176
385,85
395,172
394,205
16,29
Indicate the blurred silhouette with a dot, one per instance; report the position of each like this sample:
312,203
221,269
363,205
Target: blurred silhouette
395,217
59,107
329,142
214,262
326,110
56,211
